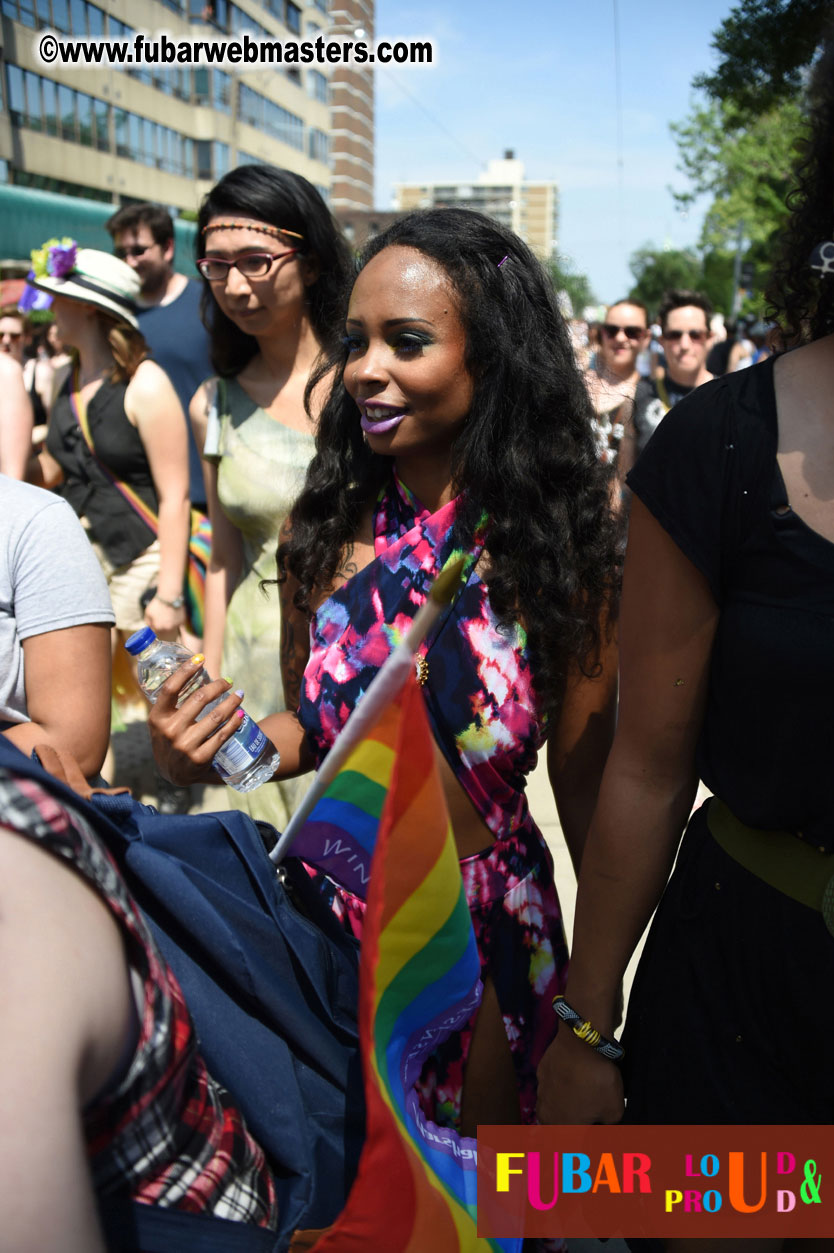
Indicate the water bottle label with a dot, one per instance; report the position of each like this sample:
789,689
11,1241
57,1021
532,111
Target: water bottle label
245,747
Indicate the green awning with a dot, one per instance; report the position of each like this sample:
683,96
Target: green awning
28,217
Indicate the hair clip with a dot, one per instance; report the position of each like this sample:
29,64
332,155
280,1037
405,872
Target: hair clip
250,226
501,262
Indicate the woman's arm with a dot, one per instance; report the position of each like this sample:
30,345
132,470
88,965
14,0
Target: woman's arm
667,627
579,744
151,404
65,991
226,559
15,421
184,748
67,681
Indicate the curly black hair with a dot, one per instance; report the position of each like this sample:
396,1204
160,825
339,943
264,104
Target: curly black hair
800,299
266,193
526,455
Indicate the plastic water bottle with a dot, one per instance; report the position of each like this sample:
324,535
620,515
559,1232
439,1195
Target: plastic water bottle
245,761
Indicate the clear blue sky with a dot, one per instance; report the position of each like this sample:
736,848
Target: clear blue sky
538,76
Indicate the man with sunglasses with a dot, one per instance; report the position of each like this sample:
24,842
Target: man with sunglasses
169,315
612,382
685,334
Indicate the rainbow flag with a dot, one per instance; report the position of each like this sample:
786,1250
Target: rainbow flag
416,1185
340,834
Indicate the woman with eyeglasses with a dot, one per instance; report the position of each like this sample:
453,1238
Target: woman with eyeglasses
273,265
613,378
727,674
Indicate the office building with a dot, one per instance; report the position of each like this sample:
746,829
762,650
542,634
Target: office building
502,192
149,132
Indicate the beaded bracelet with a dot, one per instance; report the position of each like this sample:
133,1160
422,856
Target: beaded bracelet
585,1032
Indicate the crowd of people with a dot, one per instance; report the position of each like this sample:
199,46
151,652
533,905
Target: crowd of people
348,428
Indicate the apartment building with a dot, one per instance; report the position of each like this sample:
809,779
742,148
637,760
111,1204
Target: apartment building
531,209
167,134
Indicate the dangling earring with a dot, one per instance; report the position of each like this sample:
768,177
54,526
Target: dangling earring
822,258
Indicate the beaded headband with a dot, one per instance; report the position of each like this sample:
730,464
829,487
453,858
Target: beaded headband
249,226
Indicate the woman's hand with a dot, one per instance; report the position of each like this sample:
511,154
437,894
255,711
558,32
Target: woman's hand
164,619
183,747
576,1085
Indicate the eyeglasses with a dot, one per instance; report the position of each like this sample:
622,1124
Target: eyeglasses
697,337
251,265
132,250
631,332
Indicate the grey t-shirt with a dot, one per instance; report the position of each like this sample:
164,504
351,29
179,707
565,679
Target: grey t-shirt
49,579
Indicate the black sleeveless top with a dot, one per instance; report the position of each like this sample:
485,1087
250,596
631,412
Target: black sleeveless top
112,522
711,478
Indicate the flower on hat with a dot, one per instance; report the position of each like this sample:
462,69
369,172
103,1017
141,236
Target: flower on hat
62,258
33,300
55,258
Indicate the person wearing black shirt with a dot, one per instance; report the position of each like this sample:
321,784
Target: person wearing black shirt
727,674
686,339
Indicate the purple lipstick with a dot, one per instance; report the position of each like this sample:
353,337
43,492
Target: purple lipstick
374,419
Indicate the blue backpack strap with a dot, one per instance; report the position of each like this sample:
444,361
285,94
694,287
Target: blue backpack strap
134,1228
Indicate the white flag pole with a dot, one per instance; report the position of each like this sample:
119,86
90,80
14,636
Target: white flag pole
383,688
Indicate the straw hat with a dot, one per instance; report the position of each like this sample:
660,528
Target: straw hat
63,269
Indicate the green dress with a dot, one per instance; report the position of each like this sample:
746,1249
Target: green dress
260,470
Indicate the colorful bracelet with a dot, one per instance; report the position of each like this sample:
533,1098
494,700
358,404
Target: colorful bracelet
583,1030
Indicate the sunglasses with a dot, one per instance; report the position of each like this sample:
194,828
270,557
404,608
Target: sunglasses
631,332
697,337
132,250
251,265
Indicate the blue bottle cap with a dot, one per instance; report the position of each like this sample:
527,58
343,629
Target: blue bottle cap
139,641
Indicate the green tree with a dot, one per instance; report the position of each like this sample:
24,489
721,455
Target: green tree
656,270
764,46
745,165
576,286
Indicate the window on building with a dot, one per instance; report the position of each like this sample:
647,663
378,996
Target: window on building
293,75
78,17
16,95
293,18
43,16
20,10
317,86
221,95
122,136
204,168
321,4
95,20
86,125
50,107
60,15
181,82
66,112
101,111
318,147
221,154
23,178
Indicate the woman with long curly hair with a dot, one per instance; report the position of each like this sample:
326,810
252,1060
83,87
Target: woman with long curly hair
727,673
458,422
274,268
